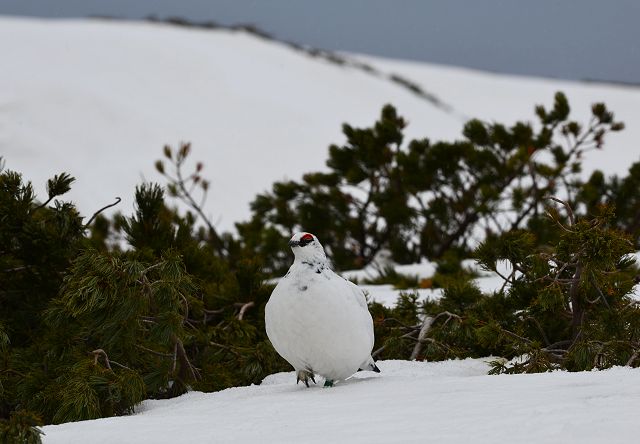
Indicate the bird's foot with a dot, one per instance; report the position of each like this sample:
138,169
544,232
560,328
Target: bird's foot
328,383
304,376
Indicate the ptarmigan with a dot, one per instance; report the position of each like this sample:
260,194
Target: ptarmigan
318,321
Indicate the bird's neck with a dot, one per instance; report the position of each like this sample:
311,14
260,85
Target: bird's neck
316,262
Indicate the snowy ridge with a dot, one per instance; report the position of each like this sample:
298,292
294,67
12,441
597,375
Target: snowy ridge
443,402
99,100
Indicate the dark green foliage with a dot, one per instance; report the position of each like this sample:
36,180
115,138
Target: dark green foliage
566,306
428,199
37,243
97,317
496,183
357,208
21,428
92,331
623,194
132,311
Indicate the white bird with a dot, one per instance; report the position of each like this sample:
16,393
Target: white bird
318,321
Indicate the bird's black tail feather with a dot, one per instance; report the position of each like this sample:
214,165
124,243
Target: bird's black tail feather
370,365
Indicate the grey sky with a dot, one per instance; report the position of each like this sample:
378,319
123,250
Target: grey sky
574,39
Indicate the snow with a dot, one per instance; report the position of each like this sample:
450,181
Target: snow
99,99
423,269
444,402
387,295
508,98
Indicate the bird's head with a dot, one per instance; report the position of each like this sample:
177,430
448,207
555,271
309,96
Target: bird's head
307,248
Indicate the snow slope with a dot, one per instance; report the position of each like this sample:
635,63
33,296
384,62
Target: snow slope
100,99
442,402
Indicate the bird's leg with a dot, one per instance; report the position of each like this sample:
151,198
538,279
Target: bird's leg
304,376
328,383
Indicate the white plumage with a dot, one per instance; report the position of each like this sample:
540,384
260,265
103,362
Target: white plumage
318,321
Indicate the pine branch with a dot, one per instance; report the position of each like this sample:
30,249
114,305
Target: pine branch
633,357
424,331
244,308
185,363
96,355
567,207
118,200
163,355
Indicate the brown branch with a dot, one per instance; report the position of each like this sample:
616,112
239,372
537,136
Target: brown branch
602,296
244,308
118,200
555,345
188,198
175,357
96,355
633,357
378,351
44,204
544,336
149,268
213,312
422,335
424,330
577,310
9,270
164,355
186,307
405,336
225,347
408,327
185,364
207,315
566,206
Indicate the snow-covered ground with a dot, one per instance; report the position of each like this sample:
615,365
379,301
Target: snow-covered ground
409,402
99,100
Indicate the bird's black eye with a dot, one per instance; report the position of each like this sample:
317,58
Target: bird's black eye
305,240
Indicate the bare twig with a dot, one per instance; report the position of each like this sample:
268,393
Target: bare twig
96,355
602,296
151,267
408,327
409,335
426,326
186,307
244,309
424,330
633,357
558,345
185,364
577,309
224,347
378,351
175,357
164,355
10,270
118,200
566,206
44,204
544,336
213,312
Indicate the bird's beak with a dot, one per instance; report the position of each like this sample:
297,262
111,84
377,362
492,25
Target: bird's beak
293,243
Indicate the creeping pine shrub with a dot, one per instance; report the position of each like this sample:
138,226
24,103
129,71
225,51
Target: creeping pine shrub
101,313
